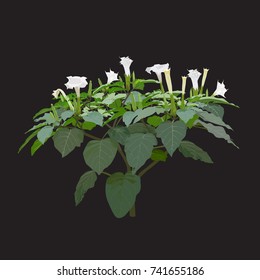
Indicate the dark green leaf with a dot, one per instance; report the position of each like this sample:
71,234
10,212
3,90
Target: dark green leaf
121,192
66,140
119,134
171,133
86,182
138,148
217,131
216,109
141,128
99,154
189,149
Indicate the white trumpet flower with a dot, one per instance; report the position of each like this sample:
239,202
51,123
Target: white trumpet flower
111,76
220,90
194,75
126,62
158,69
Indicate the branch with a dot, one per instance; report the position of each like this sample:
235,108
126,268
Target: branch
124,158
146,169
91,136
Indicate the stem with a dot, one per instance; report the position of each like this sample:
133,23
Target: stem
106,173
158,147
109,126
92,136
124,158
146,169
132,212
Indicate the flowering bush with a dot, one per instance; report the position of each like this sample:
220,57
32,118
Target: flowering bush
143,127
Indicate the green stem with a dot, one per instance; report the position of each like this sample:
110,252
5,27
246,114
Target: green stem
106,173
92,136
146,169
124,158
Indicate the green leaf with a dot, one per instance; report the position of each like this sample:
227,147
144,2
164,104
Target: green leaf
28,139
36,127
216,100
138,148
217,131
215,109
154,121
209,117
159,155
121,192
45,133
171,133
86,182
120,112
186,114
119,134
69,121
66,140
47,117
36,146
88,125
99,154
66,114
189,149
42,111
94,117
141,128
99,89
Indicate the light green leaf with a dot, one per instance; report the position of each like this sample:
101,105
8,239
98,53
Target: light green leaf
36,146
119,134
121,192
216,109
98,95
88,125
128,117
209,117
186,114
47,117
36,127
154,120
66,140
141,128
189,149
112,97
143,113
138,148
159,155
42,111
45,133
86,182
99,154
217,131
119,112
28,139
66,114
94,117
136,97
171,133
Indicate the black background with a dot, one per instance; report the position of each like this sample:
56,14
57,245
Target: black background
186,209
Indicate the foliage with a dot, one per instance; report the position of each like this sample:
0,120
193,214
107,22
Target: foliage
144,128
